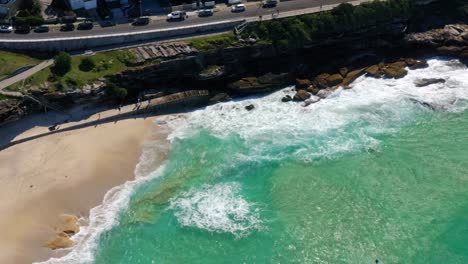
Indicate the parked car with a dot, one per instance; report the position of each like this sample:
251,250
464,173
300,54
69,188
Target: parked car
107,23
177,15
234,2
85,25
238,8
42,29
205,13
67,27
23,29
270,3
141,21
6,29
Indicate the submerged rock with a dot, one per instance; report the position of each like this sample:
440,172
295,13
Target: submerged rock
311,100
301,95
62,240
427,82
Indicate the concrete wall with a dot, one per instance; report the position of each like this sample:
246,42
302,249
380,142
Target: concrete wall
89,42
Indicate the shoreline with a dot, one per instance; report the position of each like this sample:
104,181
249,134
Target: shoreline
67,173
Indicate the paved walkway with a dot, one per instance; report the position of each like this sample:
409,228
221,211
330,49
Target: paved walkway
19,77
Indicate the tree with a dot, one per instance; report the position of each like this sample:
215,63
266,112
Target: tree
62,63
87,64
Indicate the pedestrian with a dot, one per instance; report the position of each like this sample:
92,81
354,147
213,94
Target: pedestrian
260,18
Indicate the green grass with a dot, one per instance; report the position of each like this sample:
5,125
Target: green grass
107,63
213,42
9,62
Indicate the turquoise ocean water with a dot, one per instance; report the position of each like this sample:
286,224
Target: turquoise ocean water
376,172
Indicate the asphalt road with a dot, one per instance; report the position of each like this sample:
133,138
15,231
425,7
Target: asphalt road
159,22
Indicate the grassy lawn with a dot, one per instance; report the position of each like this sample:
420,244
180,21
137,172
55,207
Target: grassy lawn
213,42
106,63
9,62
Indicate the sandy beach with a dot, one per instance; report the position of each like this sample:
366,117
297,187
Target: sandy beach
64,173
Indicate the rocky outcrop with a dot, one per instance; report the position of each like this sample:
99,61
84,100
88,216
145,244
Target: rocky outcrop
10,110
65,230
267,82
396,70
164,51
450,35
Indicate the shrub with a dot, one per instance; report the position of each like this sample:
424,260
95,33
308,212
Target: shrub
87,64
114,91
62,63
29,21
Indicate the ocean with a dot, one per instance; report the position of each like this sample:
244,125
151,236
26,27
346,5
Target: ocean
376,172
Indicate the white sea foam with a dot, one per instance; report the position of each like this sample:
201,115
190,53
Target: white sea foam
346,120
217,208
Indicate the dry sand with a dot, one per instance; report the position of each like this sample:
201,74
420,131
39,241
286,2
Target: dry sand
65,173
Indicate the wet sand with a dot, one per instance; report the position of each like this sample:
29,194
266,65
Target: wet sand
64,173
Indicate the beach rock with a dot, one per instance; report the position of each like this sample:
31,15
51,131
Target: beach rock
395,70
374,71
427,82
302,83
286,99
311,100
62,240
301,95
250,107
69,224
324,93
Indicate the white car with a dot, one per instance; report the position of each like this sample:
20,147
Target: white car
6,29
238,8
177,15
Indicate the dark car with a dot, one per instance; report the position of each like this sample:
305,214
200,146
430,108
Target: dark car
107,23
205,13
23,29
86,25
270,3
141,21
67,27
42,29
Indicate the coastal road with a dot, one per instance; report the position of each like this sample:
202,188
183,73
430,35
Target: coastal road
222,13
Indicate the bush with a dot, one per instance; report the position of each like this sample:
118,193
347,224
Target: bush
87,64
114,91
62,63
32,7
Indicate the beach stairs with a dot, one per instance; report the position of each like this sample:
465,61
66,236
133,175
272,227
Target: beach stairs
241,27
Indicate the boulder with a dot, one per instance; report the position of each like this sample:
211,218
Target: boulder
321,80
324,93
69,224
302,83
352,76
374,71
427,82
311,100
250,107
301,95
420,64
334,79
395,70
286,99
313,89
